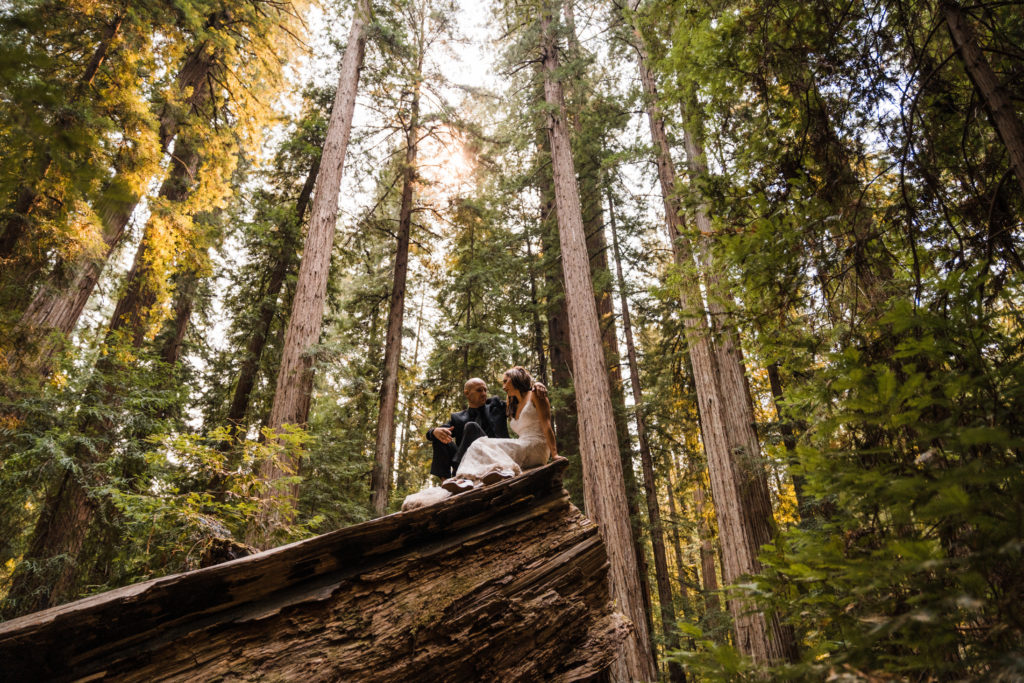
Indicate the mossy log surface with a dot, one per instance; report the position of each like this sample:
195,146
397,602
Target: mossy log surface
507,582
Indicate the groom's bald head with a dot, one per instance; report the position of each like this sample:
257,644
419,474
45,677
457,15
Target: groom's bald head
475,390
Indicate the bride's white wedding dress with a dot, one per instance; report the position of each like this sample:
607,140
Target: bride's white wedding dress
503,458
494,459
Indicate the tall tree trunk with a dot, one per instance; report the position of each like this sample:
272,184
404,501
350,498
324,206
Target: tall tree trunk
384,450
1000,107
284,265
677,546
597,252
295,376
602,467
788,439
403,452
661,574
738,480
185,291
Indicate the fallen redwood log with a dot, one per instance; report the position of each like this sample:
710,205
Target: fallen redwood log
507,582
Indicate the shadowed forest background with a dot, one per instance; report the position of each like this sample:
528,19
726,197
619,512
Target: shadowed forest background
803,225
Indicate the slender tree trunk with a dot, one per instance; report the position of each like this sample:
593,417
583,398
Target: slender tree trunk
738,480
537,326
1000,107
295,376
384,450
602,467
661,573
403,452
284,265
788,438
184,301
677,546
708,571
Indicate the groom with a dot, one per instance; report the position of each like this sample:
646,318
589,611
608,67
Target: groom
484,416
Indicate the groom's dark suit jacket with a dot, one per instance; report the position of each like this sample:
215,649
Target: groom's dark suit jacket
492,420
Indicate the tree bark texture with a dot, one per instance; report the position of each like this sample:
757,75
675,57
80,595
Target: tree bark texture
661,574
738,481
604,488
708,571
295,375
600,275
384,449
508,582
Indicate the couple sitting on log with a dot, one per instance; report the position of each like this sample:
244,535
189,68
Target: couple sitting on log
474,444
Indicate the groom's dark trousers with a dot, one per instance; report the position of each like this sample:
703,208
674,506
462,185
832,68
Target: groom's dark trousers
467,426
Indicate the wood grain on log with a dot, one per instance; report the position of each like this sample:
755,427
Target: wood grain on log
507,582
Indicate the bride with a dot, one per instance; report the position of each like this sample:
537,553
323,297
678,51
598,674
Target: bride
489,460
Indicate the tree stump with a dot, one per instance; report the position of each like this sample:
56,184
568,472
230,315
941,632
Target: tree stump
507,582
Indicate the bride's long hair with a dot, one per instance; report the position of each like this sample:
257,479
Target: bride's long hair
523,382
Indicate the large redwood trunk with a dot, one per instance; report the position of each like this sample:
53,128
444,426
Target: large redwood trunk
661,574
564,409
384,449
295,376
738,480
600,275
604,488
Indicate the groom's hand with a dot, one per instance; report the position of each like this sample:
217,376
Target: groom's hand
443,434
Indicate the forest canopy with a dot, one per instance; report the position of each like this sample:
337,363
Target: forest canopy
765,256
